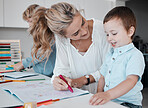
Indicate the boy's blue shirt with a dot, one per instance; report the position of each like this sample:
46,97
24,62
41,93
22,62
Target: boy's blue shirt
43,67
119,63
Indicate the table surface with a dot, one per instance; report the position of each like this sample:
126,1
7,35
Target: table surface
81,102
7,100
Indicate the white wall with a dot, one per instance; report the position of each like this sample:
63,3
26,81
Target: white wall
93,9
97,8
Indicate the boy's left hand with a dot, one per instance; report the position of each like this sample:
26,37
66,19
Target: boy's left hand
100,98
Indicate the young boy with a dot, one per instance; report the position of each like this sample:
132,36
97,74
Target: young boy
43,67
124,64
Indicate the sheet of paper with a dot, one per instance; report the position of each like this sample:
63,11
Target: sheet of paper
17,75
39,91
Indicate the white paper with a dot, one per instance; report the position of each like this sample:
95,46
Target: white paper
37,91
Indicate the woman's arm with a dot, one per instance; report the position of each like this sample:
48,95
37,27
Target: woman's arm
61,66
79,82
121,89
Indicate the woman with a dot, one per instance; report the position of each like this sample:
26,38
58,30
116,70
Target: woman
81,45
45,66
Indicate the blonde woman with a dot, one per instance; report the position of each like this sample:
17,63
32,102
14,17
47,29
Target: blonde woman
40,66
81,45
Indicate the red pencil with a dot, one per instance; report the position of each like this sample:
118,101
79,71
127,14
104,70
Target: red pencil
70,89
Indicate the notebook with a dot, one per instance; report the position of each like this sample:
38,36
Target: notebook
17,75
38,91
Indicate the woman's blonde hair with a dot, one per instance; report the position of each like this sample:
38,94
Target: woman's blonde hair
28,13
46,23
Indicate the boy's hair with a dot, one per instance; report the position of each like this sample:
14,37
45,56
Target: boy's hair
125,14
28,13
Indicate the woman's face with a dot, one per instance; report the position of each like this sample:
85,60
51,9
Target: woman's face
78,29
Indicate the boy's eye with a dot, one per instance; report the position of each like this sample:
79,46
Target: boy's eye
114,33
83,22
107,34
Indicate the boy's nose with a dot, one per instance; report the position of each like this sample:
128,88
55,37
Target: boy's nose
109,38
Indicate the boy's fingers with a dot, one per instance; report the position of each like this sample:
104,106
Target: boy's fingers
98,101
102,102
93,100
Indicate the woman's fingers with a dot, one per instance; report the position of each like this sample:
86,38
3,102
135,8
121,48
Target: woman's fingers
59,84
18,66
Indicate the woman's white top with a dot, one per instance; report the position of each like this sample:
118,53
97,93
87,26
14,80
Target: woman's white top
72,64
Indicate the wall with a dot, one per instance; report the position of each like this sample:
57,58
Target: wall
97,8
140,8
93,9
18,34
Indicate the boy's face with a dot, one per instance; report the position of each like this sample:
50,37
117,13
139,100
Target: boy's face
117,35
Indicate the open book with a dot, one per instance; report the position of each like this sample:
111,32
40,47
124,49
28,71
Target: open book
38,91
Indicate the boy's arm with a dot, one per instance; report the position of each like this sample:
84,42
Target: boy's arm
101,84
121,89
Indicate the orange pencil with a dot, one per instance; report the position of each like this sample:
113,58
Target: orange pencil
5,81
47,102
18,81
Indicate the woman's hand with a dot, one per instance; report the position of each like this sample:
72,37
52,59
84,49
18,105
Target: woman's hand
100,98
59,84
18,67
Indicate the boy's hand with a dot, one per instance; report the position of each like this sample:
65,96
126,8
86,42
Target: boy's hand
100,98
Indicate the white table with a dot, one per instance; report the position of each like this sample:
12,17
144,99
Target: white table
81,102
7,100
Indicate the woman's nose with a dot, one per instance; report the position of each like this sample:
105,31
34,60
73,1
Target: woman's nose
83,31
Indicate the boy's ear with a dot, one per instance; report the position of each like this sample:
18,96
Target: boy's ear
131,31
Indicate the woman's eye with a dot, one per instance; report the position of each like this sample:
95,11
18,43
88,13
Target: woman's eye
75,34
83,22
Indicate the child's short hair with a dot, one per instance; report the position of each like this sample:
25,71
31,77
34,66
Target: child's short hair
125,14
29,11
